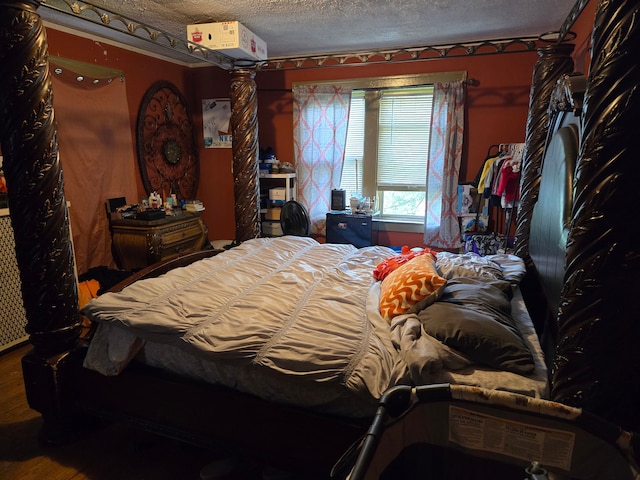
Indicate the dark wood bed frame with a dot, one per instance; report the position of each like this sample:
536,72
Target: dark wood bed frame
206,415
591,334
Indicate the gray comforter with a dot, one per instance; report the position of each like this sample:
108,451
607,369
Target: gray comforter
287,319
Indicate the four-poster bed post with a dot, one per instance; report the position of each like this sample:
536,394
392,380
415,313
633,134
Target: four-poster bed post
38,211
598,359
595,363
244,127
39,215
554,60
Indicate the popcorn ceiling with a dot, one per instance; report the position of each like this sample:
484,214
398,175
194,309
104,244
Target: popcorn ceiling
304,27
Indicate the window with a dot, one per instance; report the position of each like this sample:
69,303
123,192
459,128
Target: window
387,149
388,139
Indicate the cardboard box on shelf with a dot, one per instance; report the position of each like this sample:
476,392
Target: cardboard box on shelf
271,229
280,193
273,213
277,193
230,38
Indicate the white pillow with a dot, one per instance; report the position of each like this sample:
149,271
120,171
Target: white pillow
513,267
454,265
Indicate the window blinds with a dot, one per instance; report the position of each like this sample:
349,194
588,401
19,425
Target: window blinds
403,138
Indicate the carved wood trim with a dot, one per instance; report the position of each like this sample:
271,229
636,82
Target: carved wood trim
39,214
244,127
554,60
597,357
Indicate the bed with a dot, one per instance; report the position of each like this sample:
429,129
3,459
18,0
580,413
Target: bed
593,365
299,322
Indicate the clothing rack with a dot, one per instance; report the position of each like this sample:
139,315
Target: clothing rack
508,179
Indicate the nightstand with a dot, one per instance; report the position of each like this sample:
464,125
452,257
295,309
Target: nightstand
138,243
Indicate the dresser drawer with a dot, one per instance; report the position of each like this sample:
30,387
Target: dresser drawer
188,237
137,244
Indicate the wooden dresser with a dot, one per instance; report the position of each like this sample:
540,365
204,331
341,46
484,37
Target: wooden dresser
138,243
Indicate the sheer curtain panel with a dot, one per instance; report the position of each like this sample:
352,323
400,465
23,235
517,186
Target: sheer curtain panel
320,118
445,152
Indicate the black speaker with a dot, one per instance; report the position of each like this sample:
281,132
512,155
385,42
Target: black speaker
338,200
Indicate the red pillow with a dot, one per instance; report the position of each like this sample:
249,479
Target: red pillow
388,265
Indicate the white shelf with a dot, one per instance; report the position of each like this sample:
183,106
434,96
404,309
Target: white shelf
286,180
277,175
271,227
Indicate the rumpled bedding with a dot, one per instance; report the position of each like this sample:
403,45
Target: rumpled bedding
288,319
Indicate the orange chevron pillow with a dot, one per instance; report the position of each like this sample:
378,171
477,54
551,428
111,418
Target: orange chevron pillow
411,287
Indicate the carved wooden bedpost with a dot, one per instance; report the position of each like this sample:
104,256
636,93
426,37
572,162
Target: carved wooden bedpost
39,215
598,359
554,60
244,127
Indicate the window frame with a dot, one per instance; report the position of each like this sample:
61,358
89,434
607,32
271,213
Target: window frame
372,87
375,162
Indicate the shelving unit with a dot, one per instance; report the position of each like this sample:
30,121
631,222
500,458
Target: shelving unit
270,212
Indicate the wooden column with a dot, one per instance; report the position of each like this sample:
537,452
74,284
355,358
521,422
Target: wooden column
244,127
44,252
598,359
554,60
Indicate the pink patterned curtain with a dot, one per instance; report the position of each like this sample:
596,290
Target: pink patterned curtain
447,127
320,117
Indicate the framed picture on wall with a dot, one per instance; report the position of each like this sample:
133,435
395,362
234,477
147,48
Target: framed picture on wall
216,119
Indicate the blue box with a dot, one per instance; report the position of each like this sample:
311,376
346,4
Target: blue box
356,229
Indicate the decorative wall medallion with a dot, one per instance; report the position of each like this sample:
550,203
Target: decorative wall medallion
166,146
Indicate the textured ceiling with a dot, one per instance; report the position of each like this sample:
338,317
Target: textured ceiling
305,27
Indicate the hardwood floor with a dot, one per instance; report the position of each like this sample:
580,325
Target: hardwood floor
111,452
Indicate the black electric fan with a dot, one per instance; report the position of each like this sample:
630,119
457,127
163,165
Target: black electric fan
294,219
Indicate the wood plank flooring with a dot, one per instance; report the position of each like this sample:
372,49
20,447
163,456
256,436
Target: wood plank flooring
112,452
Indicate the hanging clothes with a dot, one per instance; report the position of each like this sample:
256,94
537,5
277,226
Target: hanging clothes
494,197
490,156
488,176
508,185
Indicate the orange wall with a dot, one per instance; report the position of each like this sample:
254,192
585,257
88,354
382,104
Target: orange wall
582,28
497,106
141,71
216,173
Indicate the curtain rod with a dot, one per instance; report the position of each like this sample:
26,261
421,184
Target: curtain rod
473,82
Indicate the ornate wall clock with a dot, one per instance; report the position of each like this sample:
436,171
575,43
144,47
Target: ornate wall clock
166,146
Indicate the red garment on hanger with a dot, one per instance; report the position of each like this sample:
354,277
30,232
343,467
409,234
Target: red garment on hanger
508,184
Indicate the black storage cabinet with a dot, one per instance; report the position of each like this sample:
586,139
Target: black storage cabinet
349,228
